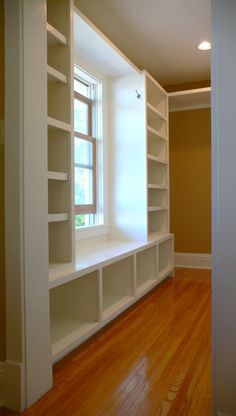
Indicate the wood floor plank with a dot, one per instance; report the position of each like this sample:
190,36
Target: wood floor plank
154,360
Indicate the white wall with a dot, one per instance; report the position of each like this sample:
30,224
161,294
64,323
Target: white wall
224,205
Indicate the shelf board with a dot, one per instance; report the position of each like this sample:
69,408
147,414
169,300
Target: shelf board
55,76
113,302
145,286
57,124
55,37
57,217
156,133
69,333
153,186
58,176
157,235
157,208
156,112
190,99
157,159
165,272
155,83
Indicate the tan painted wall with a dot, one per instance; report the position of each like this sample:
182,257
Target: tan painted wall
190,180
2,265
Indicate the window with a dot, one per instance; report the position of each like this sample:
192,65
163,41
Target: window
86,138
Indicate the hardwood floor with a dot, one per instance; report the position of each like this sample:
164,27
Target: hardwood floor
155,360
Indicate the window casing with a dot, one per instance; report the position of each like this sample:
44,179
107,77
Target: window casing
85,152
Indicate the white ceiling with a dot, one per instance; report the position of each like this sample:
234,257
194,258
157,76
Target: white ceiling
157,35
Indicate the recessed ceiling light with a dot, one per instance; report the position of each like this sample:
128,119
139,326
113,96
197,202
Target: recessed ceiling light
204,46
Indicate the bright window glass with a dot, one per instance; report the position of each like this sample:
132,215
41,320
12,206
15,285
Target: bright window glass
83,152
81,87
81,117
83,186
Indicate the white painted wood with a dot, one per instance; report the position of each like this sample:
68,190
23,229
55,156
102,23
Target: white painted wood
146,267
97,253
157,159
57,217
26,276
128,202
1,132
57,124
58,152
55,76
117,284
157,96
157,223
55,37
154,186
190,99
60,143
156,146
193,260
224,205
165,273
98,50
59,104
157,173
2,383
165,256
58,176
154,113
14,381
58,198
156,132
73,332
73,307
157,208
157,198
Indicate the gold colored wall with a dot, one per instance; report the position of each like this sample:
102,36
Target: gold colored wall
190,180
2,265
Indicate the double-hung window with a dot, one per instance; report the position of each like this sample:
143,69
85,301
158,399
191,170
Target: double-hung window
84,153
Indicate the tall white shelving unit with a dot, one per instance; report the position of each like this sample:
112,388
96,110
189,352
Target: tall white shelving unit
55,286
112,273
60,138
157,158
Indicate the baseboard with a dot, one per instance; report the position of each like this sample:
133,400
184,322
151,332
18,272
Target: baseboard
1,132
14,392
2,384
193,260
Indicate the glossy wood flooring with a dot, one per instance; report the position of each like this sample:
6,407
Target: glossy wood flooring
155,360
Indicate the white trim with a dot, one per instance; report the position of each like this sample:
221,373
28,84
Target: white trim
192,260
2,384
1,131
188,92
189,107
91,231
13,385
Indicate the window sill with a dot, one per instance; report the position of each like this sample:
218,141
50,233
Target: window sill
91,231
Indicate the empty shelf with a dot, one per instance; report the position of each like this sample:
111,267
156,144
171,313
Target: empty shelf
57,217
55,75
55,37
57,124
59,176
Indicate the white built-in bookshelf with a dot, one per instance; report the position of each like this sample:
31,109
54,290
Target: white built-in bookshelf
60,126
157,158
69,289
93,281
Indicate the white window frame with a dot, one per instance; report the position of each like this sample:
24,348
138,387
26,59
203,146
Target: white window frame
101,227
